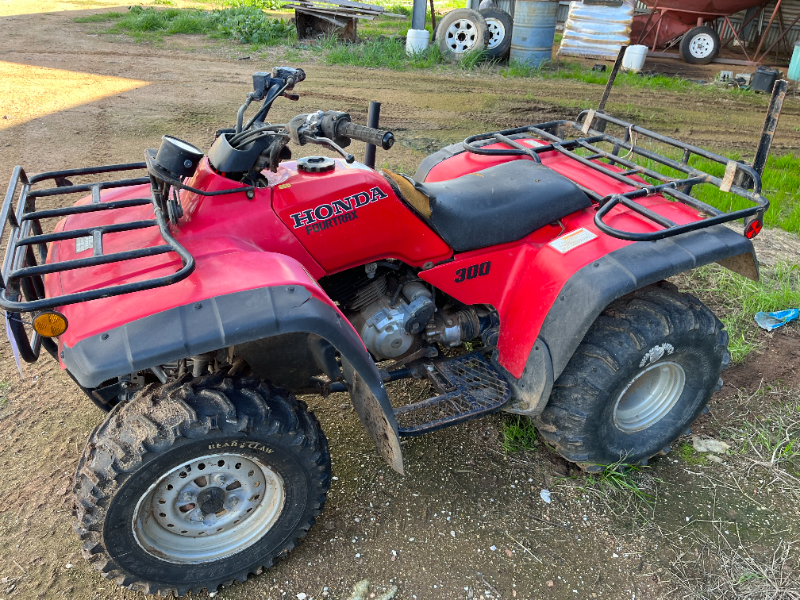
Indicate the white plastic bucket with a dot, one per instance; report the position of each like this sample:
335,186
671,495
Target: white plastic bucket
416,40
634,58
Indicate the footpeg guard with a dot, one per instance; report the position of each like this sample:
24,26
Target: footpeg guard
469,387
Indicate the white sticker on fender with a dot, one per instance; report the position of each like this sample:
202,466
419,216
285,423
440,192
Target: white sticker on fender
572,240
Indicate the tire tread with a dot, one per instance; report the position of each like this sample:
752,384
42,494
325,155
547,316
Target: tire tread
153,422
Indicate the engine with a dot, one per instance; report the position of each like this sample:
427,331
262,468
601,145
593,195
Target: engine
396,314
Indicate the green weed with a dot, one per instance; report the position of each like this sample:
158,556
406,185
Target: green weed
259,4
578,72
472,59
780,185
736,299
620,478
381,52
246,23
691,456
519,434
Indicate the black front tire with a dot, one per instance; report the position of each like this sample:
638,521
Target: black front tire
241,436
700,45
598,415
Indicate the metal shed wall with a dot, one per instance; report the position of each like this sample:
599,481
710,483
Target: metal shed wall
790,9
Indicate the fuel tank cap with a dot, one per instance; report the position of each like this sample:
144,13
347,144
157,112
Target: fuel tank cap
316,164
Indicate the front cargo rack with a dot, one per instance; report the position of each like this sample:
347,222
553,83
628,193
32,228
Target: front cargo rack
619,163
22,278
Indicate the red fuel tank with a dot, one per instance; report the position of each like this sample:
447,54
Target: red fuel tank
350,216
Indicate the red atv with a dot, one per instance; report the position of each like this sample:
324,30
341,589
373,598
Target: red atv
195,302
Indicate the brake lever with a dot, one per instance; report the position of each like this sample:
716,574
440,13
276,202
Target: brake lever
323,141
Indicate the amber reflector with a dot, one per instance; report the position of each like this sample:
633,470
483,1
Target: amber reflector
50,324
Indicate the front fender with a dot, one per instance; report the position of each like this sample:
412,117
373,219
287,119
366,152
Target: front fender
211,323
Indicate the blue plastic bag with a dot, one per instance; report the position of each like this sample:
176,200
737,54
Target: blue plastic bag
773,320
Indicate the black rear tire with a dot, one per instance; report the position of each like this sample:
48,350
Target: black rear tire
700,45
245,439
644,372
500,25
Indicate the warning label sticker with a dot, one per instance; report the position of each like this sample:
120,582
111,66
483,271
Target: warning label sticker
572,240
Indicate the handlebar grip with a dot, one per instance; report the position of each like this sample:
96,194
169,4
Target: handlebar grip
379,137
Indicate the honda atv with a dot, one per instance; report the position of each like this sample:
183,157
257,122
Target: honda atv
195,303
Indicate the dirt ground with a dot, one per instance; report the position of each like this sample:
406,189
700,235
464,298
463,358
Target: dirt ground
467,520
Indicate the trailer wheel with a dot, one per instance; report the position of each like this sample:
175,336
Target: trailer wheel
460,32
700,45
198,483
500,25
644,372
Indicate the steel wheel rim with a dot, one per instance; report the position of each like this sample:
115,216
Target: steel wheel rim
701,45
649,397
208,508
497,31
462,35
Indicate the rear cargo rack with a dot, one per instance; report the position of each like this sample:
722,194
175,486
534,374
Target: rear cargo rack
25,265
619,163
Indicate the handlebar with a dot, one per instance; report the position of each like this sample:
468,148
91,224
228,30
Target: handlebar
369,135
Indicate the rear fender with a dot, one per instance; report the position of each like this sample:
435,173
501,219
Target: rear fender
230,319
592,288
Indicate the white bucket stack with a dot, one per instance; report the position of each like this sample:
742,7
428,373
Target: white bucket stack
634,58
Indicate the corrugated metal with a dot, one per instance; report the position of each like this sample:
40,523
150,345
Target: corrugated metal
790,10
561,16
596,31
563,12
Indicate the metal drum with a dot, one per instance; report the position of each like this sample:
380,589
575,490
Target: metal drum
534,30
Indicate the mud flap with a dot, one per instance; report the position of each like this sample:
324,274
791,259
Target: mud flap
377,416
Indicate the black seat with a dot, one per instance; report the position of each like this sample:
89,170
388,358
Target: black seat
499,204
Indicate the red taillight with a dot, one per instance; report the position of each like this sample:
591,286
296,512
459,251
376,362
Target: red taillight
753,228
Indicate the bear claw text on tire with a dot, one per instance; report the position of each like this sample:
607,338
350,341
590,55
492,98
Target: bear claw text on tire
198,483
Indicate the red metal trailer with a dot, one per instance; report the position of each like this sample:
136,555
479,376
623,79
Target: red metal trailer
688,24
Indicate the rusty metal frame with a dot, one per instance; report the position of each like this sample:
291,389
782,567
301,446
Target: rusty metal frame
754,59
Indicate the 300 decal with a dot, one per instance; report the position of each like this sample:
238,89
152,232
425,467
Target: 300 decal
473,271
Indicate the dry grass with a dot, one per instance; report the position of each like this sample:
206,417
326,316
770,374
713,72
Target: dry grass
720,569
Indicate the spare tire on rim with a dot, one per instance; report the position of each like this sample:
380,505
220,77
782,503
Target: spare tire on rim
500,25
700,45
461,32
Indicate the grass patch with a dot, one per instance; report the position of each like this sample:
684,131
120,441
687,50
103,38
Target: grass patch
736,299
578,72
620,478
245,23
519,434
780,184
389,53
691,456
775,439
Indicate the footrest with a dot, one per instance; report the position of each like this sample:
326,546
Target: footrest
472,388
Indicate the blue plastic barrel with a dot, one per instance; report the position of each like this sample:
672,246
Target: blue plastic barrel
794,66
534,30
